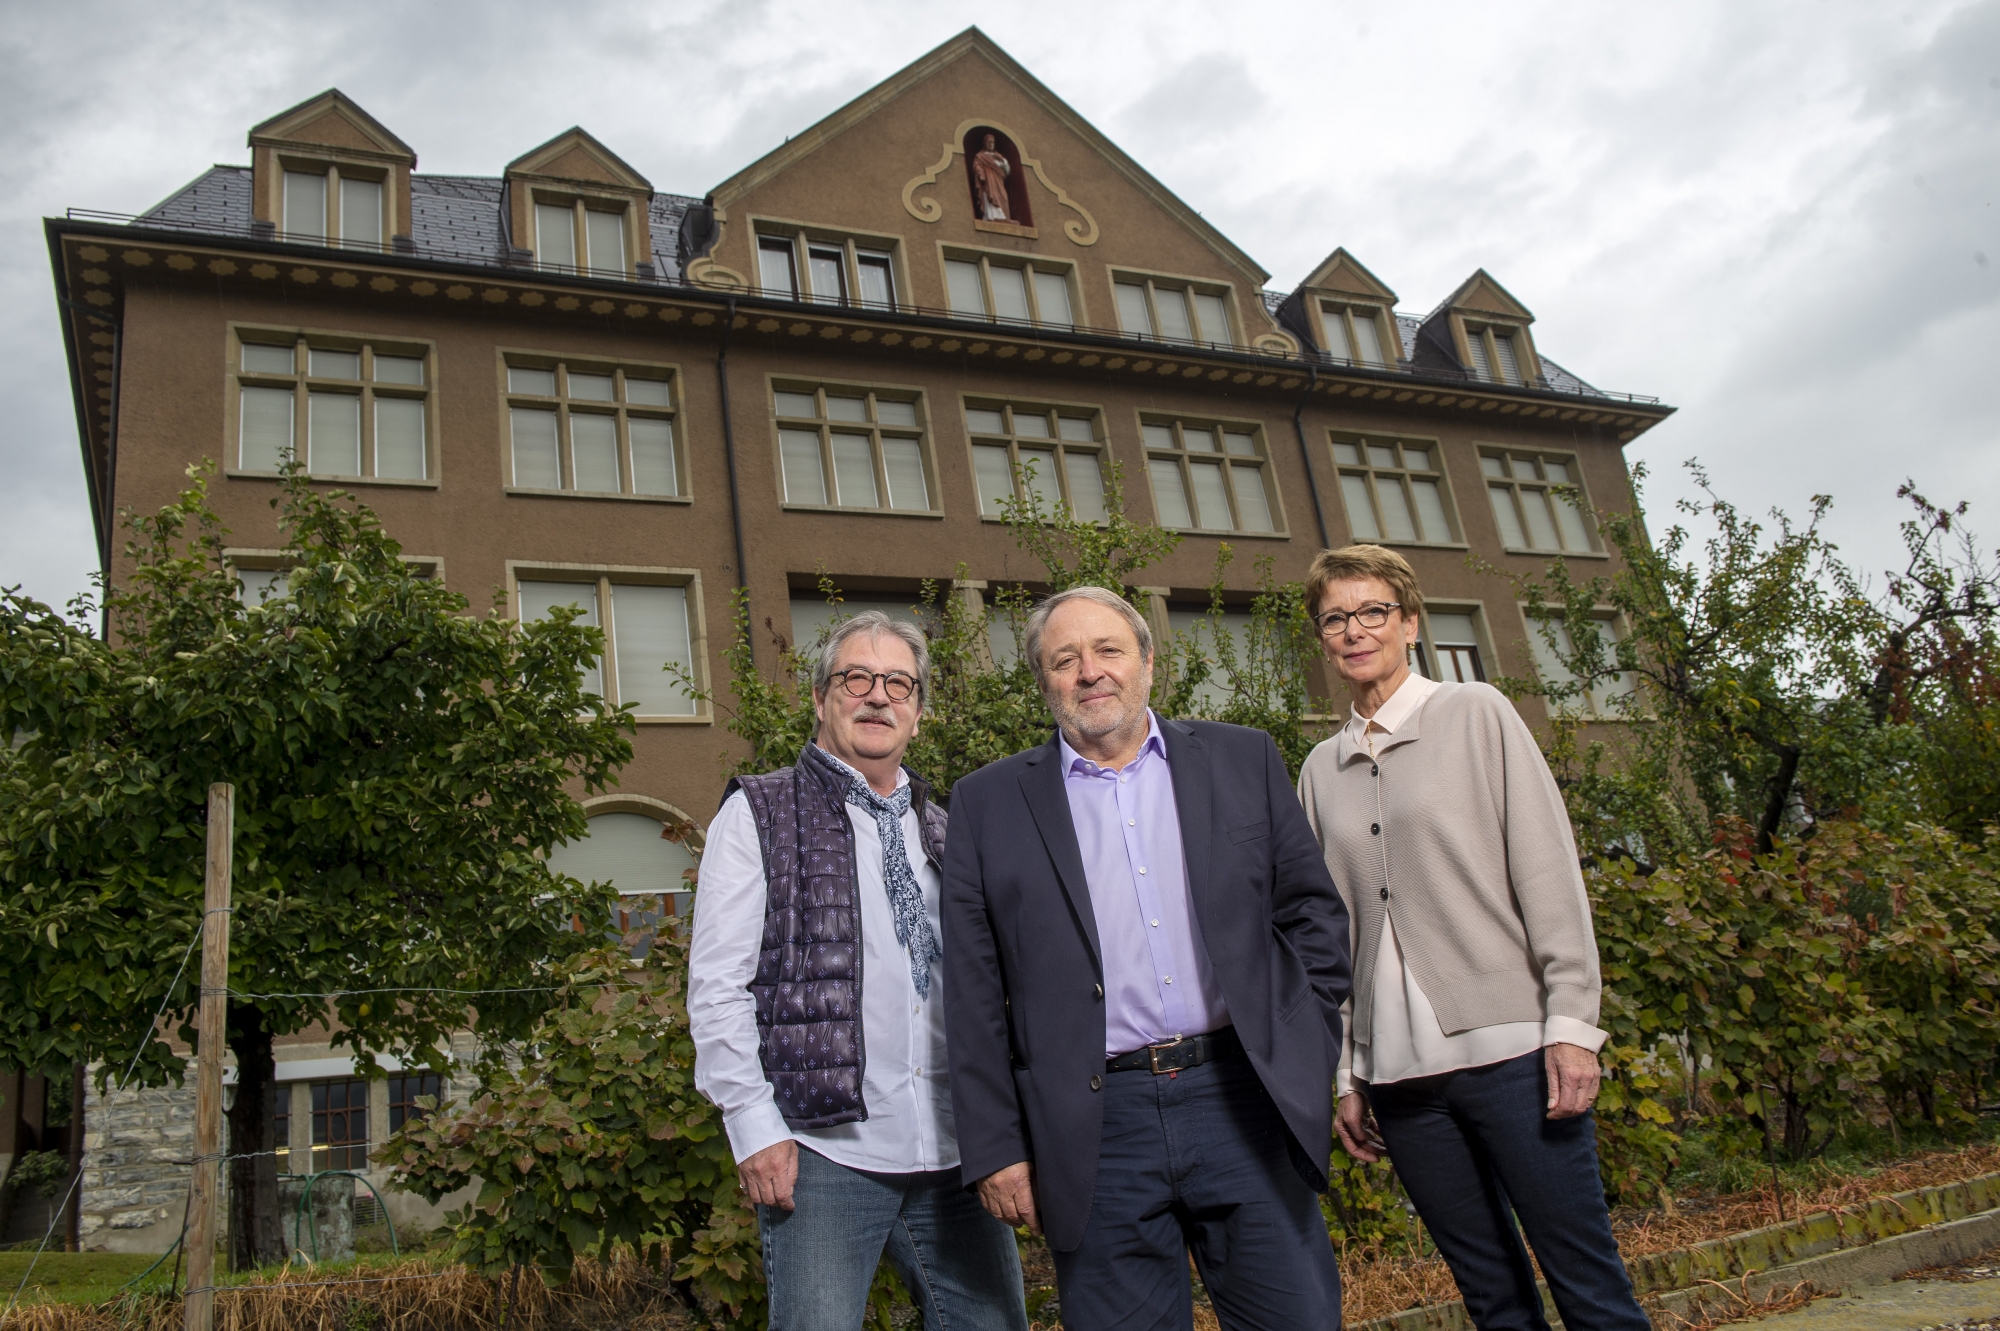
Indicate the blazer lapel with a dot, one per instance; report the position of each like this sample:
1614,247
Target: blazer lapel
1042,784
1187,756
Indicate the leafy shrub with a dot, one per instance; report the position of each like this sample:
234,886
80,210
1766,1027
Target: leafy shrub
42,1173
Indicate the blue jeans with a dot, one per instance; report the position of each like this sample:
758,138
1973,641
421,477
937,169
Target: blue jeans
1198,1162
1475,1149
958,1262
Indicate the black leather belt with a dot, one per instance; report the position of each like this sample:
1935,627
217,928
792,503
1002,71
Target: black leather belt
1174,1055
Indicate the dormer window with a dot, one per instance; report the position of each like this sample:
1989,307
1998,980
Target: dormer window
1353,333
333,207
1496,355
586,236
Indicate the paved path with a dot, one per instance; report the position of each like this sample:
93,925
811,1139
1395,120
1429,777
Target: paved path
1966,1298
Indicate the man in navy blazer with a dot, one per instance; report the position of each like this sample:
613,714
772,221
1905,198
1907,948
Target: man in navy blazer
1148,961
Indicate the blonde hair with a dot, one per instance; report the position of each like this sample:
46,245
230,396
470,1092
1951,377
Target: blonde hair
1351,563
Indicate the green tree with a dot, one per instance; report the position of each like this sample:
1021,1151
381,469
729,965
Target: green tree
400,768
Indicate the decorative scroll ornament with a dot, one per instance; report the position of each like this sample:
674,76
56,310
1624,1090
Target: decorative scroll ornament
1081,229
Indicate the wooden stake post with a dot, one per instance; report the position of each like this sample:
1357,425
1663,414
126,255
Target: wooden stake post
214,1042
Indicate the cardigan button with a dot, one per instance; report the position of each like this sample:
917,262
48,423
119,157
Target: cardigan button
1385,894
1374,829
1375,770
1097,1083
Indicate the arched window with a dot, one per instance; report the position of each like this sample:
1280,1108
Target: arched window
627,850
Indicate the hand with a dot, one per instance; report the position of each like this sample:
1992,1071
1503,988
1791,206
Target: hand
1573,1078
1010,1195
1357,1129
768,1176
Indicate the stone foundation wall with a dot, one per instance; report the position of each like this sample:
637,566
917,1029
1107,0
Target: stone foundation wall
136,1148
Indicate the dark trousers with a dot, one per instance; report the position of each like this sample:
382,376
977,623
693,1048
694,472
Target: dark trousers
1475,1149
1198,1162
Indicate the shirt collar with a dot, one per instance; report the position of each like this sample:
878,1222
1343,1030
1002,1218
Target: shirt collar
1075,764
1402,704
902,773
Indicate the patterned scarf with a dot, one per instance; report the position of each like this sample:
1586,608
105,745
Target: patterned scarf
906,898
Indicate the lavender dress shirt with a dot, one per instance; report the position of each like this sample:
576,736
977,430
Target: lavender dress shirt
1158,982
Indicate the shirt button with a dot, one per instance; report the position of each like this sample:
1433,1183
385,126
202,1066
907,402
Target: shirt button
1123,779
1096,1083
1374,829
1170,979
1154,923
1131,822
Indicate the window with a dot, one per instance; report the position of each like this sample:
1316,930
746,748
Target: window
842,447
795,266
1496,355
1449,647
1394,489
1054,453
361,408
1211,477
1173,311
1354,333
1215,691
281,1125
331,207
1603,697
593,428
650,620
581,236
339,1125
628,851
1009,290
403,1093
1531,515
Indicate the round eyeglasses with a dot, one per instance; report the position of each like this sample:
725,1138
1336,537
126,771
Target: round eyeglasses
1334,622
861,683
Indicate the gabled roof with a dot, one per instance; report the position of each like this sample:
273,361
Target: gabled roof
576,154
974,43
1481,293
334,120
1342,272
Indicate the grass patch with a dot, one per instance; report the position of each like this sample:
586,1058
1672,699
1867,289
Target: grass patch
71,1277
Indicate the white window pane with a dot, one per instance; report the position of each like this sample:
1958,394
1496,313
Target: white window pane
1557,472
1541,528
1334,320
1476,344
805,481
555,236
653,469
538,598
1242,445
1430,511
1381,456
961,281
1086,485
1450,629
1492,466
774,269
1367,339
1052,298
1523,468
536,458
1346,454
1416,459
1459,665
1198,438
996,482
1211,501
796,404
649,629
1575,536
399,369
1550,658
261,359
891,412
878,286
1171,308
1038,479
1395,506
1030,424
1360,512
1168,495
605,234
648,392
1133,316
903,461
984,420
1606,690
536,383
258,585
627,851
361,212
1010,292
1510,368
593,452
1158,436
1212,316
590,387
854,471
1075,427
334,364
827,270
305,204
1252,503
399,438
266,429
333,434
846,408
1506,518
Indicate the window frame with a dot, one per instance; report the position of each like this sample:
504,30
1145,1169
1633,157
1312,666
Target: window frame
1099,446
1481,643
314,1115
603,577
246,559
620,408
1155,282
407,1104
925,432
1404,474
1514,485
303,383
1267,466
1028,264
802,237
1351,312
334,171
580,204
1485,335
1588,706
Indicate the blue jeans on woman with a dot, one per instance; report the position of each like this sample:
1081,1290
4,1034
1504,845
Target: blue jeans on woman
1474,1149
958,1262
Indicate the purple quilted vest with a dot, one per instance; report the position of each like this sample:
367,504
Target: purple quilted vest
808,982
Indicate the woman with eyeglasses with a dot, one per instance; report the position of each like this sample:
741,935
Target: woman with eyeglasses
1470,1055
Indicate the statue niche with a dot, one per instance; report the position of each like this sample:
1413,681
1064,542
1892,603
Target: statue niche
993,170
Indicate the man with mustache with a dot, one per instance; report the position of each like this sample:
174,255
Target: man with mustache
1148,960
816,1002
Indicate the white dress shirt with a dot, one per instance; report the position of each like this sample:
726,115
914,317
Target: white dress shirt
904,1084
1408,1040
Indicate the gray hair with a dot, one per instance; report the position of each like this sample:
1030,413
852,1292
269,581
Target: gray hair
873,623
1111,600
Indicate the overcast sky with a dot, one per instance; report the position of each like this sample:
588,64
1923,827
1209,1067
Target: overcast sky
1778,217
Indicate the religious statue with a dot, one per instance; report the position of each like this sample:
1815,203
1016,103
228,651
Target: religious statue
989,176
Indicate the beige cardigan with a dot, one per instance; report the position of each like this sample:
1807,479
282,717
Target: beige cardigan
1458,831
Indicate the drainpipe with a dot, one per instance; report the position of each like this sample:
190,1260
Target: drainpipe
729,444
1305,454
